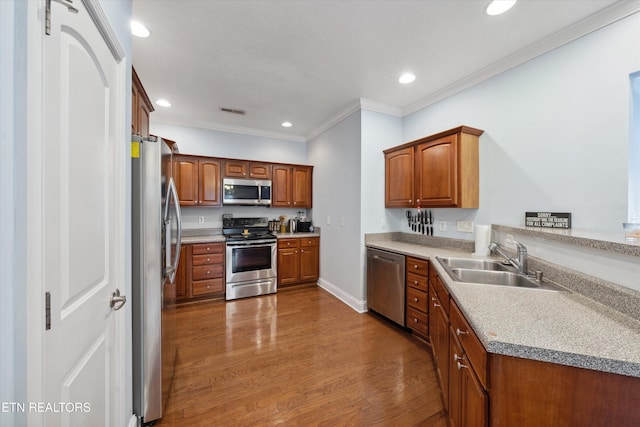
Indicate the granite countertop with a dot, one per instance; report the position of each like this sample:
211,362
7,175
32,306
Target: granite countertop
559,327
296,235
212,235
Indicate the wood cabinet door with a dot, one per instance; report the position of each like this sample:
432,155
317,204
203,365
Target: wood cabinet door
135,103
143,119
399,181
288,266
475,402
235,169
209,182
259,170
309,263
182,282
186,180
436,172
440,343
455,381
301,186
281,186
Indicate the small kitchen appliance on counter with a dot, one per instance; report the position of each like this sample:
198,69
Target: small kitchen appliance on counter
251,257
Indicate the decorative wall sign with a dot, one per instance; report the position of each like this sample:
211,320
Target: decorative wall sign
548,219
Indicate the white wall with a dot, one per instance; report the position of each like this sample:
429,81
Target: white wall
557,136
206,142
634,153
557,131
335,155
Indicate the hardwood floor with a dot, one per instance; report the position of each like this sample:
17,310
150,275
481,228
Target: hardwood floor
298,358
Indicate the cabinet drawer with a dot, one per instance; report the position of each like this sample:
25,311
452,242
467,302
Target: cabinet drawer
418,282
417,299
208,259
208,248
309,242
418,266
288,243
417,321
471,345
442,292
204,287
202,272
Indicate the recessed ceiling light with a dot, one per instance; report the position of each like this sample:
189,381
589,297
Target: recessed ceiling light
163,103
407,78
139,30
286,124
496,7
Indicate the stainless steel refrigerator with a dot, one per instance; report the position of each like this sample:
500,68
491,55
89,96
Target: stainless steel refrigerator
156,233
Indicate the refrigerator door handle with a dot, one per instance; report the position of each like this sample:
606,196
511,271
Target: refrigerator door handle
172,268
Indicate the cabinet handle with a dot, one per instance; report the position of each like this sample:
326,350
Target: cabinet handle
415,299
433,299
435,304
457,358
460,366
459,332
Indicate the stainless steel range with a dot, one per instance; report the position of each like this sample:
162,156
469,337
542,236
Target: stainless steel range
251,257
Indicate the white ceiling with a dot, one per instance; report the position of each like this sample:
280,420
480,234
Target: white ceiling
305,61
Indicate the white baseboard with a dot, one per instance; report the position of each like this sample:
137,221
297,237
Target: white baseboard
359,306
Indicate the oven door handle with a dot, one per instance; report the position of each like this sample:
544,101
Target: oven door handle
251,243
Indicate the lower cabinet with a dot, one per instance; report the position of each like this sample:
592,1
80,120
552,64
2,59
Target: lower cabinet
200,272
417,289
439,333
298,260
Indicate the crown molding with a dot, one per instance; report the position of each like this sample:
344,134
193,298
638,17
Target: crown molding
234,129
611,14
360,104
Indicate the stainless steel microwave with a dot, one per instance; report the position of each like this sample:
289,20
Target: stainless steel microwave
249,192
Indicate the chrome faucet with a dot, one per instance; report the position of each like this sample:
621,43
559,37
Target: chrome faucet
520,263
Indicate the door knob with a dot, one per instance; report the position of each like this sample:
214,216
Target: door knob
117,300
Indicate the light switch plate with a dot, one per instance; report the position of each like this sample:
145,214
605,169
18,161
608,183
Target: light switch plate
442,225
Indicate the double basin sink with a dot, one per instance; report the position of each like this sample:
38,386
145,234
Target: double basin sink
488,272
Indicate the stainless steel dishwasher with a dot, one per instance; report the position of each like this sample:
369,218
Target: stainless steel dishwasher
385,284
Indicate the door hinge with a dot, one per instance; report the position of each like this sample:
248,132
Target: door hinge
47,311
47,13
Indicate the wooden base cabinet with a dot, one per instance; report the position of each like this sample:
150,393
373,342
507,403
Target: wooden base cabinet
417,291
298,260
439,333
201,272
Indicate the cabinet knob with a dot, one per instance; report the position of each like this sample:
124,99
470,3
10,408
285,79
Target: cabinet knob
208,248
457,358
460,366
301,251
208,259
459,332
208,271
415,299
415,282
415,266
410,201
415,320
208,286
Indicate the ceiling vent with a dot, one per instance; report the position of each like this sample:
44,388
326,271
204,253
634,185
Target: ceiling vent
233,111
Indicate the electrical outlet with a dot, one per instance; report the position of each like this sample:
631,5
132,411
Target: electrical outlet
200,220
465,226
382,224
442,225
328,220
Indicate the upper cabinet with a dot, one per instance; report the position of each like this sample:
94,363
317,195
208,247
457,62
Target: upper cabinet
246,169
292,185
141,107
197,180
440,170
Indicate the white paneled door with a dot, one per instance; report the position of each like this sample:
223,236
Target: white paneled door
83,237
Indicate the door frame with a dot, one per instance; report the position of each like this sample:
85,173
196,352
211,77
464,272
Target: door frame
35,216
